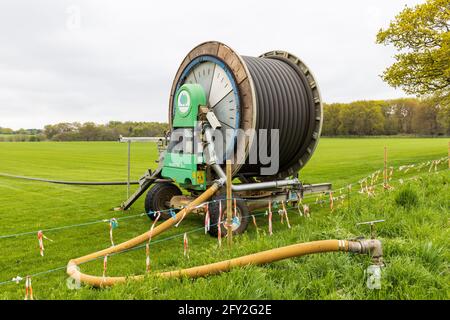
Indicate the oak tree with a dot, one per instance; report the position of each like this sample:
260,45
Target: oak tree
421,36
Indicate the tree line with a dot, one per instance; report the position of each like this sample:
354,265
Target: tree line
88,131
408,116
111,131
8,134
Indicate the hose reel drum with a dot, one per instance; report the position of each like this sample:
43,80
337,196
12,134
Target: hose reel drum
273,91
217,90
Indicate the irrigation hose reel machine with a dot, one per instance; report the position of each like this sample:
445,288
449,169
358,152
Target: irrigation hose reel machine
218,97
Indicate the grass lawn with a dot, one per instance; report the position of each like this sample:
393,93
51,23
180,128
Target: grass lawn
415,239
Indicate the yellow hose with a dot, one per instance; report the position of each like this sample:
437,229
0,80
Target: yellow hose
262,257
73,271
295,250
365,246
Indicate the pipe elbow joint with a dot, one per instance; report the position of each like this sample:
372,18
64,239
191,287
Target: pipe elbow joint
220,182
373,247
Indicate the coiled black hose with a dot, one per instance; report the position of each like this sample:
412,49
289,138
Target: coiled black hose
285,102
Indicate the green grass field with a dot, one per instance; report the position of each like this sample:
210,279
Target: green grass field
415,240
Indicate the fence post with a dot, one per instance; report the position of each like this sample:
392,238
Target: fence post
129,169
229,204
385,169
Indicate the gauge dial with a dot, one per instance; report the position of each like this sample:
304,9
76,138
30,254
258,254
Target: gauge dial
222,98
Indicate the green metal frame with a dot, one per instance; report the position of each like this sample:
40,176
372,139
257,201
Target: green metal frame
184,168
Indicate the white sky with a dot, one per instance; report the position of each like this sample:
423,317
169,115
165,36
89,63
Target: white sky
118,60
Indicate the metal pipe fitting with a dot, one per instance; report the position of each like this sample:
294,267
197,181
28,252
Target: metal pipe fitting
211,159
255,186
372,247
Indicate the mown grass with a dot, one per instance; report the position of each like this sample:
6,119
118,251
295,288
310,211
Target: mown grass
415,238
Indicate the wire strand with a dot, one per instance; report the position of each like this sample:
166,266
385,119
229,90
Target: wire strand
167,239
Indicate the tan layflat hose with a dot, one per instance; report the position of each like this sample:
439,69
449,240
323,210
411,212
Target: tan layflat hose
73,271
371,246
262,257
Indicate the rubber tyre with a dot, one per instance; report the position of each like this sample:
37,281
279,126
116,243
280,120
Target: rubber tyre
157,198
241,208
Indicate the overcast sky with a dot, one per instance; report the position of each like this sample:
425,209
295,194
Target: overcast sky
115,60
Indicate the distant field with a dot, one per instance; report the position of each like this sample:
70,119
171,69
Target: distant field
336,160
416,241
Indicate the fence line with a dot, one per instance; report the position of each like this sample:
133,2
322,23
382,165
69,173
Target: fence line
68,226
178,235
175,236
417,166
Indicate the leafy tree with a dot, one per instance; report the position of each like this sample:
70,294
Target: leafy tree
6,131
425,119
387,117
390,119
421,35
332,120
443,119
404,111
89,131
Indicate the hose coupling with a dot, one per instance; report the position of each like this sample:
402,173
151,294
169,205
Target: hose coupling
373,247
220,182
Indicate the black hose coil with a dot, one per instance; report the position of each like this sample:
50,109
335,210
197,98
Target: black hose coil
285,101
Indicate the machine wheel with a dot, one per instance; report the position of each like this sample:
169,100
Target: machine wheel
242,216
158,198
